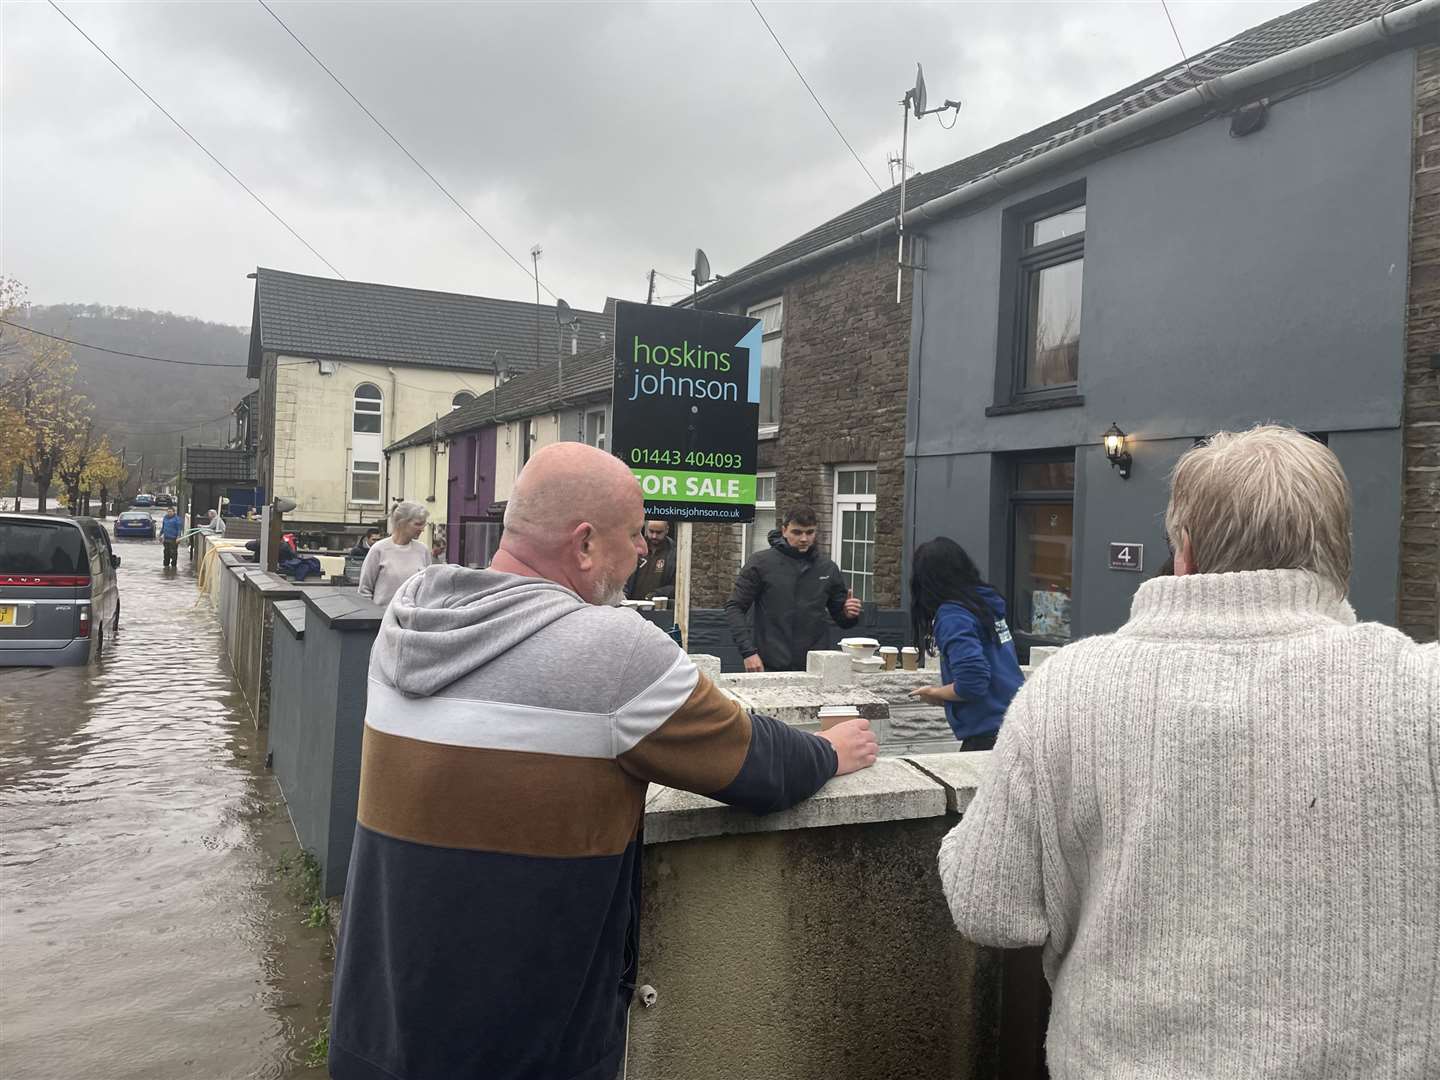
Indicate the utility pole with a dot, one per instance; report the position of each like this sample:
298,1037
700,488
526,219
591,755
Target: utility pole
650,296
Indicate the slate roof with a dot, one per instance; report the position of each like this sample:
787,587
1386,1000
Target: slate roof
355,320
1289,31
586,376
204,463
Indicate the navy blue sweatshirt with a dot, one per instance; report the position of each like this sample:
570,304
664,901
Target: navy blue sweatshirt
984,671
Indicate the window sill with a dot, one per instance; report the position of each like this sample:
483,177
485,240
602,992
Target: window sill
1069,401
770,431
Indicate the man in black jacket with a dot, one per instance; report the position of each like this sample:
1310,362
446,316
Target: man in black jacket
794,590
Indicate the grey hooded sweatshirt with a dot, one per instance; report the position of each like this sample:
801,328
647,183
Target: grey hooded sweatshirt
491,914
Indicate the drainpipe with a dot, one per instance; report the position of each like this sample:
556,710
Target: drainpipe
394,394
1234,88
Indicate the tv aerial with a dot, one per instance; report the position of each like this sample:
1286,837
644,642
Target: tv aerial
915,99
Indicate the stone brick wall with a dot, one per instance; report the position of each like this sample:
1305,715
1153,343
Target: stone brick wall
845,367
1419,614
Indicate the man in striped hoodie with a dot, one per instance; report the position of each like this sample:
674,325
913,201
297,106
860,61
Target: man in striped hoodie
514,720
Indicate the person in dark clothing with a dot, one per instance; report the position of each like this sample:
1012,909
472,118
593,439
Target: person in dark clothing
363,545
796,593
953,612
655,576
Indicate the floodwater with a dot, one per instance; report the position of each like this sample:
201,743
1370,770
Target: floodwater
146,929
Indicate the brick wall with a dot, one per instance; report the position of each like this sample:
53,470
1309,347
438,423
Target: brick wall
845,364
1419,615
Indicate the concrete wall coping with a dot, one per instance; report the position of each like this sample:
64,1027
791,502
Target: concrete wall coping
292,612
343,609
273,586
893,789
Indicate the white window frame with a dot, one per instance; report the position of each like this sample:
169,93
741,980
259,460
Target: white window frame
760,504
769,333
373,406
475,465
851,502
355,471
604,436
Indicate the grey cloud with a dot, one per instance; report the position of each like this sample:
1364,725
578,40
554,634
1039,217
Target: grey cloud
619,136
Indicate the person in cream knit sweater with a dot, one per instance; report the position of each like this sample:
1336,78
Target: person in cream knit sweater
1222,822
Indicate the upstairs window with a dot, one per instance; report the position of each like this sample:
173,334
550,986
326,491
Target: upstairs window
595,429
1052,270
464,397
368,406
772,325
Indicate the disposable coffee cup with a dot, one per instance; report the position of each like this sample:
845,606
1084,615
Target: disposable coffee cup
910,658
890,656
662,603
830,715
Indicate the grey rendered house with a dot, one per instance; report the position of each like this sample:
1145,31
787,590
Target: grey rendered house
1222,245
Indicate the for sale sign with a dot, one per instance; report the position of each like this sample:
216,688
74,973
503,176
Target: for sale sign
686,410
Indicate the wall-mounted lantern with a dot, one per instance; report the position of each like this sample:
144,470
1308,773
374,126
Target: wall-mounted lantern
1116,452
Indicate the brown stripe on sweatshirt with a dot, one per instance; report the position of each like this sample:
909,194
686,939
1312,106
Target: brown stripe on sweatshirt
507,801
699,748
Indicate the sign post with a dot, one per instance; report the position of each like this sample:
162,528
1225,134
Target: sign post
685,418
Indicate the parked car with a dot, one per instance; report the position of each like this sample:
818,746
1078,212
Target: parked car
58,595
143,500
164,500
135,523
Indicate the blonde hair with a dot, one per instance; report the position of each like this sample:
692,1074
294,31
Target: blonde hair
406,512
1265,499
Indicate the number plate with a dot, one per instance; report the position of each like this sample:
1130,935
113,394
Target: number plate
7,615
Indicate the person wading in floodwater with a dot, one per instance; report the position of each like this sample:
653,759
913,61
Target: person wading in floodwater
514,719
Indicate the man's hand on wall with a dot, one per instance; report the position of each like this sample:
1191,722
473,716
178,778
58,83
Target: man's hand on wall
855,745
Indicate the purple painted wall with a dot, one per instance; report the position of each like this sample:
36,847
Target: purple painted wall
472,487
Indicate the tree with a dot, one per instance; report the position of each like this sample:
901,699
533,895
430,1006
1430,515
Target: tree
105,473
74,463
55,417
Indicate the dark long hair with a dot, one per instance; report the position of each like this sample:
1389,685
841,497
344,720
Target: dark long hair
942,573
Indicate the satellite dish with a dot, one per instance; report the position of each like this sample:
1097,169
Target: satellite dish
917,95
563,315
701,273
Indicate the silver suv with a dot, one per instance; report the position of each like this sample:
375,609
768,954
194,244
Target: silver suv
58,595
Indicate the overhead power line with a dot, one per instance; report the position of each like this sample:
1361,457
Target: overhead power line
288,227
117,352
817,99
1184,56
403,149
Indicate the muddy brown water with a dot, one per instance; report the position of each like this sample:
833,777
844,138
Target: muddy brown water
145,930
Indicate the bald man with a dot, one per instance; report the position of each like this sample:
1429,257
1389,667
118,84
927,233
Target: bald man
515,717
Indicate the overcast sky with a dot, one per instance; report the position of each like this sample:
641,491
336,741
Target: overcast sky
618,136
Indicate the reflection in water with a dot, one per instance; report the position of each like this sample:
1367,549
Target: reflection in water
143,932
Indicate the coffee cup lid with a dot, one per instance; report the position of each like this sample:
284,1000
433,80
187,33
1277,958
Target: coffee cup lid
839,710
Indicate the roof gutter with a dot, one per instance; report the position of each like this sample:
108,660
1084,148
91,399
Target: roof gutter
1236,88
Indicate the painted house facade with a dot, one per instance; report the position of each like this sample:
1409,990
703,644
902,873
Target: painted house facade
1248,238
344,366
478,450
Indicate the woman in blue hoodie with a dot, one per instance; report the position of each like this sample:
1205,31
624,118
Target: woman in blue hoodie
954,613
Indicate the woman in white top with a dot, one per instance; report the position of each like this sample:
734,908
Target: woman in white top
398,557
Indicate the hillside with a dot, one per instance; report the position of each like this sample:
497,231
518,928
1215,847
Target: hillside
144,405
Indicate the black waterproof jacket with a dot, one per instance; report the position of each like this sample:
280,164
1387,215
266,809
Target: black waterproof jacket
795,597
